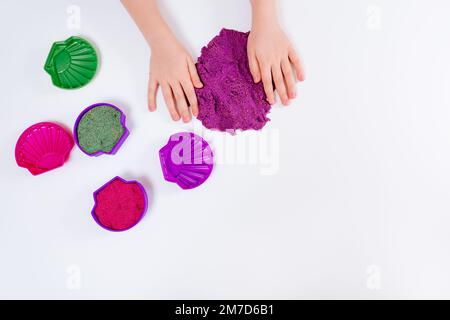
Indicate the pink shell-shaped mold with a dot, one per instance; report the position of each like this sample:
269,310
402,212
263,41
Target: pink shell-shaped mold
186,159
43,147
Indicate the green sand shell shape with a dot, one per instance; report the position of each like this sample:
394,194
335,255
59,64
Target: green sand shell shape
100,129
71,63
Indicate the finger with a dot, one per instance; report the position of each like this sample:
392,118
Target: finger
168,97
194,75
152,89
295,60
266,77
254,68
192,98
288,78
279,84
180,99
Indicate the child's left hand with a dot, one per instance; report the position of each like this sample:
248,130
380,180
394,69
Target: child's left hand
272,59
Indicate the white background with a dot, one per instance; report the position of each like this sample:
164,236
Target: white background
358,208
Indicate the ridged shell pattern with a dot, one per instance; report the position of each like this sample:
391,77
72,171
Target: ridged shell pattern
43,147
71,63
186,159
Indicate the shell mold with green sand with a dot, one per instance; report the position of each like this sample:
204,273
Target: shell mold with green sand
100,129
71,63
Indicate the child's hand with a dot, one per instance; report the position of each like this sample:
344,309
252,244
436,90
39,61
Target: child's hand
271,56
172,68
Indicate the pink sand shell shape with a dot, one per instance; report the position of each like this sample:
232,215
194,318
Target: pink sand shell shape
123,182
43,147
186,159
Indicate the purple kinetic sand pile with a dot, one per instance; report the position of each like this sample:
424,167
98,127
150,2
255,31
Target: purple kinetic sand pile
229,99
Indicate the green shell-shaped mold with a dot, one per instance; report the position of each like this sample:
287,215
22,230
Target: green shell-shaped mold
71,63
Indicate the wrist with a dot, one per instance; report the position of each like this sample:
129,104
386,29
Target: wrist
157,38
263,12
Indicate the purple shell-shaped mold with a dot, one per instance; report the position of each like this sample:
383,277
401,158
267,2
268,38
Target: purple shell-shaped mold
118,144
186,159
144,194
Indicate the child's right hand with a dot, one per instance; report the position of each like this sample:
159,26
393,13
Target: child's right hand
172,68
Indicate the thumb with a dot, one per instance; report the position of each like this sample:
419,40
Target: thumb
194,75
254,68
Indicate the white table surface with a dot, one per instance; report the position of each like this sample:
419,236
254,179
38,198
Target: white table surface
354,201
